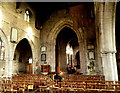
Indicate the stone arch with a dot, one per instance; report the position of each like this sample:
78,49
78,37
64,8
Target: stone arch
53,35
32,48
59,26
22,54
4,37
7,51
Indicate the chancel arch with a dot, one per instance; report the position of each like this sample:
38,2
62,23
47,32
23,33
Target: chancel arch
64,57
53,35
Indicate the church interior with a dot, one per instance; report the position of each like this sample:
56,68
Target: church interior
59,47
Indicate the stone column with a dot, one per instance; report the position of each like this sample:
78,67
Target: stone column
51,56
8,67
105,21
83,52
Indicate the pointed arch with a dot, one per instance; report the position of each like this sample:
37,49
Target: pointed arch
52,36
59,26
4,38
22,56
33,49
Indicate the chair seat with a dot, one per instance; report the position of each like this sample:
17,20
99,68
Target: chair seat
92,90
107,90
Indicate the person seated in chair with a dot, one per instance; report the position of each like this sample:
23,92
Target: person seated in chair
57,77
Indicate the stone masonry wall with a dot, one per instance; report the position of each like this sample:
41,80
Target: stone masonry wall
12,18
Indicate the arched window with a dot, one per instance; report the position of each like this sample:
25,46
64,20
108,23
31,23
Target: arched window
27,15
2,50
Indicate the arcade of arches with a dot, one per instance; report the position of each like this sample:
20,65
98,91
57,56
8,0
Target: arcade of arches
68,38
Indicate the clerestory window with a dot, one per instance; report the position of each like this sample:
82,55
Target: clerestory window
27,15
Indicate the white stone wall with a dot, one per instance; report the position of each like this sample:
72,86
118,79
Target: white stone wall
11,18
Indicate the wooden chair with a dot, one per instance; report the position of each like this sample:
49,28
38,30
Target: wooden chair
55,89
116,85
108,87
42,88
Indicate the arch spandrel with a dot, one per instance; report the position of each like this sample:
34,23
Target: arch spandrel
59,26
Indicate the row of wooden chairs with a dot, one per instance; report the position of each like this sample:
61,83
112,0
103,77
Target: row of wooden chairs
21,82
76,86
46,82
91,86
83,77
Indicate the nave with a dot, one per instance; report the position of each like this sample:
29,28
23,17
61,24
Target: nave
34,83
81,37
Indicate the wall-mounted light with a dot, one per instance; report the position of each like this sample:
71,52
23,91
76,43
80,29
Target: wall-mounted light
29,33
